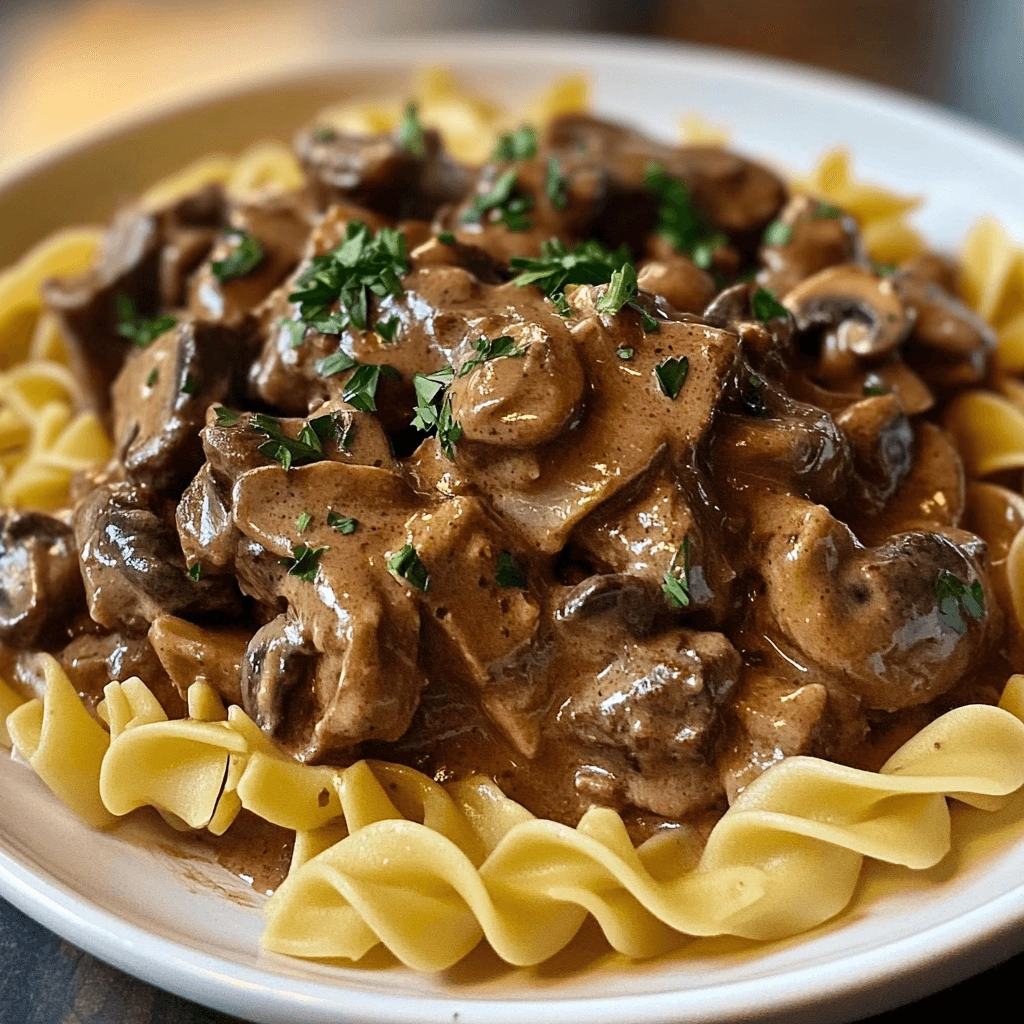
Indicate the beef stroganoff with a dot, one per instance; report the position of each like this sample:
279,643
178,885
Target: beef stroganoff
468,538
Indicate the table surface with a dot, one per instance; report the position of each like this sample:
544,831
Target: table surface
45,980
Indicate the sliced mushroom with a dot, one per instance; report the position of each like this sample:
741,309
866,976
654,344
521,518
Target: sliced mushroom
861,311
676,278
882,441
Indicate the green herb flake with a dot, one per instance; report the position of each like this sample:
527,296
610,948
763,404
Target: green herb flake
508,573
826,211
361,388
624,353
778,233
875,390
298,451
500,205
225,417
766,306
955,599
885,269
556,185
243,259
296,332
434,408
410,132
446,237
140,331
190,386
302,523
387,329
671,376
676,582
305,562
520,144
333,292
485,349
154,376
341,523
588,263
324,134
680,223
195,571
407,565
621,289
335,363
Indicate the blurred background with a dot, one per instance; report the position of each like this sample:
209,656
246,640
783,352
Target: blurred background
68,64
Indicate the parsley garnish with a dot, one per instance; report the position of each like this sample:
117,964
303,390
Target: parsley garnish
190,385
671,375
154,376
196,571
225,417
485,349
406,563
410,131
556,184
885,269
434,408
676,584
361,388
341,523
624,353
361,263
323,134
622,292
875,390
500,205
296,330
243,259
294,451
753,400
387,329
305,562
826,211
588,263
955,599
302,523
336,362
140,331
679,221
766,306
518,145
507,573
778,233
447,237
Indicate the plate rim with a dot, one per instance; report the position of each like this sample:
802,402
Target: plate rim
978,939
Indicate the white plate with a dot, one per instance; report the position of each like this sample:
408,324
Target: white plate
194,929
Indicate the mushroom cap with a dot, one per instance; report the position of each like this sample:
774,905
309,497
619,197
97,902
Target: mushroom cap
865,311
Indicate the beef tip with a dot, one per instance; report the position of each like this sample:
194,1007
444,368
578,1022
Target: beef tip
190,653
378,173
132,563
161,396
40,585
130,264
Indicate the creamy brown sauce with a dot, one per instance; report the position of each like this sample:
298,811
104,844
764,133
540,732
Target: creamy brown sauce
652,550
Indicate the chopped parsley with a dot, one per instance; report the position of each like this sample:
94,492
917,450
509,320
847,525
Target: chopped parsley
885,269
154,376
778,233
225,417
323,134
308,447
140,331
341,523
243,259
556,185
588,263
508,573
434,408
190,386
671,375
406,563
826,211
500,205
753,399
875,390
195,571
362,263
336,362
361,388
387,329
680,223
447,237
302,523
955,600
305,562
410,131
520,144
624,353
621,292
486,349
766,306
296,332
676,582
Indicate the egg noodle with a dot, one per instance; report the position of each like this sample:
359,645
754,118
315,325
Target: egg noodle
385,855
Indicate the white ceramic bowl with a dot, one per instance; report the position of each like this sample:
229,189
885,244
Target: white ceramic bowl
191,928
